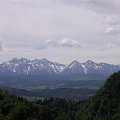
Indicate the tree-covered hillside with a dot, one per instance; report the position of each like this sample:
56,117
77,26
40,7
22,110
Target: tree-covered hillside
17,108
105,105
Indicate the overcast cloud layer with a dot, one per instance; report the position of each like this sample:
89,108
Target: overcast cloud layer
60,30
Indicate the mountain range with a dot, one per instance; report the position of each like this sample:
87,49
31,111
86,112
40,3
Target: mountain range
43,67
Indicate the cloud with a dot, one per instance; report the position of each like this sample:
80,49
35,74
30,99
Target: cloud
110,8
104,5
2,47
106,2
112,30
66,42
34,21
108,20
52,42
111,45
70,42
112,25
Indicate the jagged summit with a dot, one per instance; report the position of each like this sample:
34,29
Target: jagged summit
44,60
89,61
45,66
18,59
74,68
75,63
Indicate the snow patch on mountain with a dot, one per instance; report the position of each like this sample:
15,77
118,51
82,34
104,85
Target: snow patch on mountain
44,66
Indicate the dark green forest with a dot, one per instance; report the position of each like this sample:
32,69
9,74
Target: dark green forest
105,105
18,108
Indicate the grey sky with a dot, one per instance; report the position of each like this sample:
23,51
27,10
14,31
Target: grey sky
60,30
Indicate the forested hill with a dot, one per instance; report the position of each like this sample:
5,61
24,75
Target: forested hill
105,105
17,108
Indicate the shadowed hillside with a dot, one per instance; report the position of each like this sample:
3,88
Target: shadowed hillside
105,105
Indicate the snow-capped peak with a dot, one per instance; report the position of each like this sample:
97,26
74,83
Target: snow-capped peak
74,63
44,60
89,62
44,66
74,67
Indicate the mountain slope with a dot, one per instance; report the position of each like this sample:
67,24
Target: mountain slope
90,67
100,68
105,105
45,67
73,68
25,66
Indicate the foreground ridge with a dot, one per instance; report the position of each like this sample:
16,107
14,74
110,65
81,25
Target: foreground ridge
105,105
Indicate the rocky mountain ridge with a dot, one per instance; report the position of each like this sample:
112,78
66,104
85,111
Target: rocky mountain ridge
44,66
